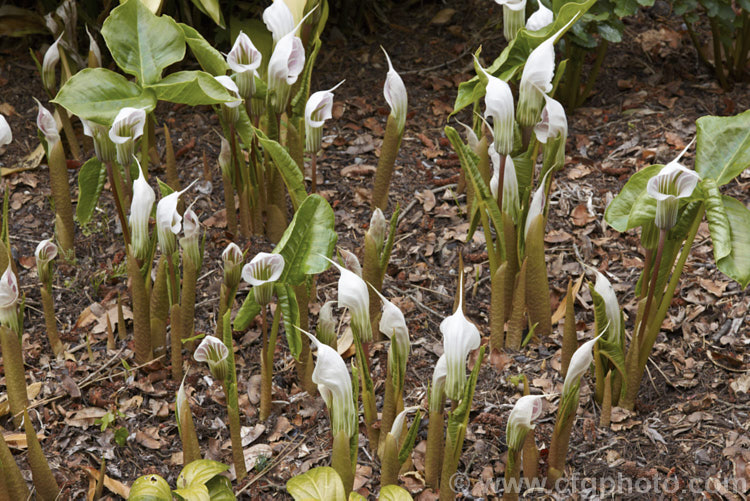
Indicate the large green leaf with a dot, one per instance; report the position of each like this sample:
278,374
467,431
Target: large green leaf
247,312
309,237
192,88
737,264
320,484
723,147
150,488
98,94
718,224
394,493
512,59
290,171
199,472
91,179
220,489
290,310
141,43
194,492
209,58
212,9
618,212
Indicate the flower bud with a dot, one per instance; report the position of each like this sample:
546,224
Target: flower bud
460,337
47,124
378,229
579,364
394,91
317,110
191,242
225,159
45,252
261,272
553,121
325,331
284,67
9,300
232,262
51,58
526,410
6,135
95,55
169,221
279,20
353,294
498,101
214,352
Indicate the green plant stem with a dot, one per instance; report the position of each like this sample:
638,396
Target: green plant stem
651,290
15,376
386,163
451,456
718,61
393,403
175,321
44,482
573,71
70,134
114,182
512,475
266,361
491,249
501,183
601,52
170,161
389,464
341,460
15,485
497,308
230,391
313,172
187,298
743,46
231,210
433,463
697,44
191,450
368,392
159,308
49,319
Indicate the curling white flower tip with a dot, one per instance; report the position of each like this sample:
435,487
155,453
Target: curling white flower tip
232,88
51,58
515,5
399,421
211,349
674,181
604,288
319,107
351,262
540,19
394,91
527,409
263,268
191,225
353,294
499,105
392,321
8,289
440,372
47,124
232,254
128,125
244,56
279,20
6,135
94,47
335,386
287,62
536,207
45,251
553,121
460,337
143,200
168,220
579,364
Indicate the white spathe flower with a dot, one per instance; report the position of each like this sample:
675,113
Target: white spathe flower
318,109
225,158
261,272
438,384
47,124
393,325
536,207
279,20
95,55
540,19
244,56
45,252
353,294
286,63
127,127
168,220
140,212
674,181
527,409
190,243
9,300
6,135
231,259
514,13
553,121
536,79
351,262
335,386
498,102
460,337
51,58
394,91
579,364
604,288
214,352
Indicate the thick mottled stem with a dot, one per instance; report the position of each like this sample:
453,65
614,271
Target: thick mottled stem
341,460
171,162
191,450
434,453
44,482
175,321
159,308
231,210
15,485
384,171
15,376
390,465
58,175
393,403
537,284
497,308
141,316
570,337
512,475
116,186
187,298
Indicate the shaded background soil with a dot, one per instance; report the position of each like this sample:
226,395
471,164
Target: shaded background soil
692,420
